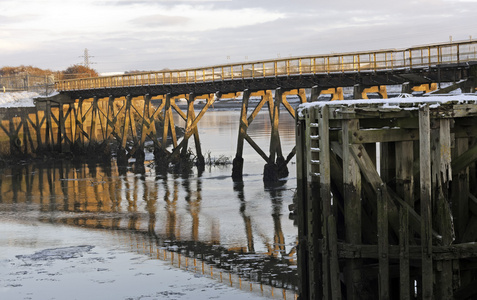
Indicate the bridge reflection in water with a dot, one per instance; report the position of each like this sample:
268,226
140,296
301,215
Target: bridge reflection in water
194,222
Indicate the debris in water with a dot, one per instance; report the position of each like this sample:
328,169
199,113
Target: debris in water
58,253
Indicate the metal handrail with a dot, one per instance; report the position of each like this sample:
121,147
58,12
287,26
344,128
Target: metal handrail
392,59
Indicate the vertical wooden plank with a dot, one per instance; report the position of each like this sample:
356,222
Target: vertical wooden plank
40,118
171,124
72,122
110,120
426,201
127,119
460,199
388,163
145,116
167,119
315,93
198,147
329,231
49,128
275,147
79,122
442,175
189,120
404,188
237,169
62,130
304,259
352,206
318,256
94,117
383,242
132,119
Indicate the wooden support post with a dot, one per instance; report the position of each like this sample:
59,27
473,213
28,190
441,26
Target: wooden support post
188,127
352,207
40,118
317,281
72,123
49,134
406,88
191,128
63,139
441,177
94,118
168,121
358,92
330,238
426,201
460,198
110,118
122,155
315,93
383,242
140,155
405,189
79,123
388,163
275,167
198,147
237,169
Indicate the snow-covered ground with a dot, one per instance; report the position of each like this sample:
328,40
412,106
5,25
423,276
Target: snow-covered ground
45,261
17,99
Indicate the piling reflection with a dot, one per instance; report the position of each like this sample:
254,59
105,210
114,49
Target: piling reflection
167,210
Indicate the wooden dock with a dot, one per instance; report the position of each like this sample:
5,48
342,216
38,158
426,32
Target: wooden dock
386,199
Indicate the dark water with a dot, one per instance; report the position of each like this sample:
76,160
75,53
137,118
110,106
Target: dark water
241,228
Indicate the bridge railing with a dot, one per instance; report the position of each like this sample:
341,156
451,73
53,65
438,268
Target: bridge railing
415,57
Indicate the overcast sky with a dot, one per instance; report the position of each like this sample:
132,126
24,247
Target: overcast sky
124,35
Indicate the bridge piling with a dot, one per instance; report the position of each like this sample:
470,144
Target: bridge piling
237,164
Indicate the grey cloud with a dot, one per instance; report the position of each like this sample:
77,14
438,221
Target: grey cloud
7,20
160,20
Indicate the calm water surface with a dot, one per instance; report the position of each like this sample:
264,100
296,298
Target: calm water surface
240,228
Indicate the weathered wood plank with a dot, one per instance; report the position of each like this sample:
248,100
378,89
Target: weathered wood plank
329,229
443,223
383,243
352,208
305,258
404,188
426,201
384,135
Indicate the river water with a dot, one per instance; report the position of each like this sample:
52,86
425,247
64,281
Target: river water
205,222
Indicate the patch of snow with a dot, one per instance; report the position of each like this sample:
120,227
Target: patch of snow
433,101
17,99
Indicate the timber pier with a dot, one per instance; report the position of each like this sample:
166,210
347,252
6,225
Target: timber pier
386,199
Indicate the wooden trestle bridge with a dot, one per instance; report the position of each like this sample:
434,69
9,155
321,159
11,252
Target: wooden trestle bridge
94,110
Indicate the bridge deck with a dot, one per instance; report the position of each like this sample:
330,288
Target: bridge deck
421,64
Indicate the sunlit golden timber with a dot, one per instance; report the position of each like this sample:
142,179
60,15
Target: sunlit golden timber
390,59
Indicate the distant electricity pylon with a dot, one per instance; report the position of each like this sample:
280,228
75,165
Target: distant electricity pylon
86,58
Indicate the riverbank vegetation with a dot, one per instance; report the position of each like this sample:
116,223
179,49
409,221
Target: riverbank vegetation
72,72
